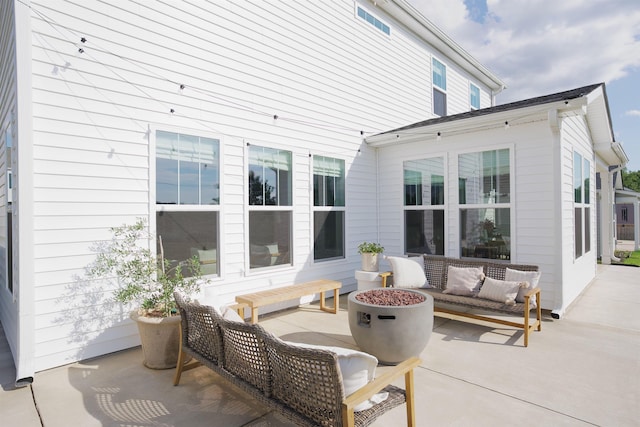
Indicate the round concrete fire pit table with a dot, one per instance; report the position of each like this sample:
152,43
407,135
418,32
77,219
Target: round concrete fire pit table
392,333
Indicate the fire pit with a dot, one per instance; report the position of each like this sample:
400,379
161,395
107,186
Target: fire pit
391,324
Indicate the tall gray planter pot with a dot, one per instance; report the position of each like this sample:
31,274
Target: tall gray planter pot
160,338
391,333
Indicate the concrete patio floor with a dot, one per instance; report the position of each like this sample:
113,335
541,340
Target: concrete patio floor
581,370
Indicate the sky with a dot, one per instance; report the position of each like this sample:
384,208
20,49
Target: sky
541,47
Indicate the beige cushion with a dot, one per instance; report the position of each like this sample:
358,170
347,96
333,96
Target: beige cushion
408,272
500,290
464,281
531,277
357,369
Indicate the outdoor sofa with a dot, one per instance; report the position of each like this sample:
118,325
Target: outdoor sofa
458,285
307,385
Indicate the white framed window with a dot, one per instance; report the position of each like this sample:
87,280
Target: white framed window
474,96
372,20
424,206
328,208
581,204
270,206
439,78
188,198
484,197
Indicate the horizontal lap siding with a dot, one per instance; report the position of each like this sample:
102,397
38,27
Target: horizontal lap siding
8,308
577,272
326,75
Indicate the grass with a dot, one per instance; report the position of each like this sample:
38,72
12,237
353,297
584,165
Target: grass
629,257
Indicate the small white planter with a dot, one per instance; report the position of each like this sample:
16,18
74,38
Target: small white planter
370,261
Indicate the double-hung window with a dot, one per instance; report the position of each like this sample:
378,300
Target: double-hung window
474,96
328,208
484,196
270,206
188,198
424,206
581,204
439,72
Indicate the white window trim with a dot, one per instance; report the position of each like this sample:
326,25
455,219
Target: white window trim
313,209
456,206
367,24
247,208
154,208
479,101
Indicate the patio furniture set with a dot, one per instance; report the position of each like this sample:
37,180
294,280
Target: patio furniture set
313,385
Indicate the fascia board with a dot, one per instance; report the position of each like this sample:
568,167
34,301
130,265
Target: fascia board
406,14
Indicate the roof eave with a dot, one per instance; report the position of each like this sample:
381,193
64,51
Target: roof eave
409,16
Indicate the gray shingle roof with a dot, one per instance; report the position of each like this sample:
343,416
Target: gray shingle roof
546,99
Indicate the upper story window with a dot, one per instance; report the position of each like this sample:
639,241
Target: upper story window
474,96
328,208
188,198
581,204
484,193
270,206
363,14
439,72
424,206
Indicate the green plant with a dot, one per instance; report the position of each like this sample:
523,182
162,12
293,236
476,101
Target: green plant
370,248
143,277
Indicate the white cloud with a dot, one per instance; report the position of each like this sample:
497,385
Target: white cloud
545,46
632,113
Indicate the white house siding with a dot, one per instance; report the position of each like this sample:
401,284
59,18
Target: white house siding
323,71
533,240
577,273
8,307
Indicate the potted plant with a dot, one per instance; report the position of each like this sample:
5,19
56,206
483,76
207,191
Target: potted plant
369,254
149,281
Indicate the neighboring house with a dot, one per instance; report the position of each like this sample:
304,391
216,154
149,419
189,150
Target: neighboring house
238,130
628,216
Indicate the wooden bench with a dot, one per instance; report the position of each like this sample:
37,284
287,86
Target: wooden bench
271,296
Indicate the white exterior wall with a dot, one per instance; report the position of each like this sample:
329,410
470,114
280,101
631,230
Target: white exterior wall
533,236
8,104
323,71
577,273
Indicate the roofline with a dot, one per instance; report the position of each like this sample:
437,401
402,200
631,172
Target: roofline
408,15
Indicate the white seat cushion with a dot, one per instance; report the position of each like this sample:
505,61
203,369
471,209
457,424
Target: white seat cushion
408,272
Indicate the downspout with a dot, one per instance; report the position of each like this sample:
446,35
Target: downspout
554,126
612,232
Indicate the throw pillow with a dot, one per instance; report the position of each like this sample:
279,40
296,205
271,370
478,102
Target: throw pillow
357,369
408,272
464,281
532,277
500,290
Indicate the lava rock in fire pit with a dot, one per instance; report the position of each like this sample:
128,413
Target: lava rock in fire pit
390,297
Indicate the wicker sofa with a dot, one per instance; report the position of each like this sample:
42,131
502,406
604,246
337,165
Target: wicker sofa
304,384
436,271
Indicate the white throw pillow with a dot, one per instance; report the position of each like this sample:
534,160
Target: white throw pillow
408,272
464,281
357,369
231,314
531,277
500,290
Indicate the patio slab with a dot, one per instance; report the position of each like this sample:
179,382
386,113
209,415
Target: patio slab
582,370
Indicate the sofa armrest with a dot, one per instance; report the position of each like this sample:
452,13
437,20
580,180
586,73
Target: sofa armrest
385,275
532,292
366,392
